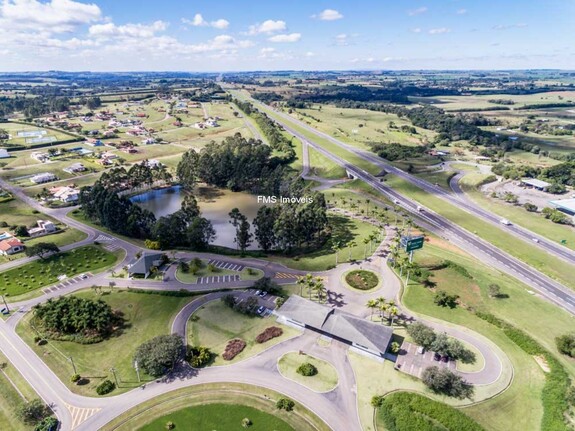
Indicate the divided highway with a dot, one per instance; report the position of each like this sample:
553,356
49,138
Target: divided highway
488,253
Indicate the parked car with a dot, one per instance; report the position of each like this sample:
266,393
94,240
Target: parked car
258,292
420,350
262,294
436,357
83,276
445,358
261,309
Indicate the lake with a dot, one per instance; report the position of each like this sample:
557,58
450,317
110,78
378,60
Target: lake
214,203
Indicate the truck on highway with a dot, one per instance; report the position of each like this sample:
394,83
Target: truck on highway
505,222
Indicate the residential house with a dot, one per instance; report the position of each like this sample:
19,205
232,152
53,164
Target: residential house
143,266
76,167
11,246
42,178
44,227
65,194
4,154
94,143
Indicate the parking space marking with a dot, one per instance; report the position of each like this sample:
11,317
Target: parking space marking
226,265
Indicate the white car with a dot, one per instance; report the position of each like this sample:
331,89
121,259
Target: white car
505,222
535,240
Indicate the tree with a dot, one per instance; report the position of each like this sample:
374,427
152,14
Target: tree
372,305
160,354
285,404
350,246
264,227
240,223
393,312
494,291
530,207
444,381
306,369
42,249
32,412
377,401
443,299
566,344
200,233
440,344
421,334
366,241
21,231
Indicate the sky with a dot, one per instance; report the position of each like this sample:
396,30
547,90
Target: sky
233,35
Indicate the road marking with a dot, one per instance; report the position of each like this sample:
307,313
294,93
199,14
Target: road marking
285,275
80,414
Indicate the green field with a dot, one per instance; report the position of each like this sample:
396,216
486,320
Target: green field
551,266
233,395
42,272
344,230
209,416
14,390
215,324
146,315
324,381
15,129
323,167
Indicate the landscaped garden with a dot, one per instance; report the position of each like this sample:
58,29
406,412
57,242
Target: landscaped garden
144,316
361,279
314,373
45,271
189,272
215,325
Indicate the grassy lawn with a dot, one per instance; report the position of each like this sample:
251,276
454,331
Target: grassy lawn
230,396
324,381
215,324
544,262
79,216
147,316
323,167
361,280
14,390
479,363
42,272
204,271
344,230
440,178
209,416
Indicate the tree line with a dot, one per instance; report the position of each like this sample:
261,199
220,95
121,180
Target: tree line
237,164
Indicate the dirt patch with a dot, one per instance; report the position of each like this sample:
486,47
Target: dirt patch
542,363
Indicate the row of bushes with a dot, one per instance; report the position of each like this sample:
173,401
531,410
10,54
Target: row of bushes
557,381
408,411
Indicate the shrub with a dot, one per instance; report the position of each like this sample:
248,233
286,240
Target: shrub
199,356
105,387
530,207
409,411
444,381
170,425
75,378
32,412
246,423
233,349
307,369
394,347
268,334
285,404
443,299
377,401
160,354
566,344
47,424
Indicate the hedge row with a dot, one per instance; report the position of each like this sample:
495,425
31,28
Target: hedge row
402,411
557,382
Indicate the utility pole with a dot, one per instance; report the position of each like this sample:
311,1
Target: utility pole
113,370
6,304
137,371
73,364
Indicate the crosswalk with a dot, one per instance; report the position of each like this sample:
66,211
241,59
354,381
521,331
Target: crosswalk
218,279
104,238
65,283
226,265
285,275
112,247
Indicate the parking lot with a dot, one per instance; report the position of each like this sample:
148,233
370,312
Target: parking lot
66,282
267,301
218,279
226,265
411,362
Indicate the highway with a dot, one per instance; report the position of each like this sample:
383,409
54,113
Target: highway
458,200
547,287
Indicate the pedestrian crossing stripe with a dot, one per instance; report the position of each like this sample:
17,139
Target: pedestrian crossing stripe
80,414
285,275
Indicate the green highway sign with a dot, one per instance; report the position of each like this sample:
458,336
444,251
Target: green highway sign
412,243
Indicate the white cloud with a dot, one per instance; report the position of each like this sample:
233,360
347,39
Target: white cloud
310,54
440,30
328,15
55,16
268,26
267,50
285,38
509,26
416,30
341,39
127,30
199,21
461,11
417,11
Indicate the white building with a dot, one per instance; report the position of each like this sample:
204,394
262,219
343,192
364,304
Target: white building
76,167
45,177
4,154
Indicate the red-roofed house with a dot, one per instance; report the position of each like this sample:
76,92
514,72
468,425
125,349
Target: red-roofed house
11,246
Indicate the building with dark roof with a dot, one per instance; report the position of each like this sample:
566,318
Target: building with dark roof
143,266
361,334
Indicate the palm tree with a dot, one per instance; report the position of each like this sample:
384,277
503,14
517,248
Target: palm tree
367,201
372,305
410,266
336,247
383,307
365,241
350,245
393,312
394,252
402,264
381,301
304,281
320,289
